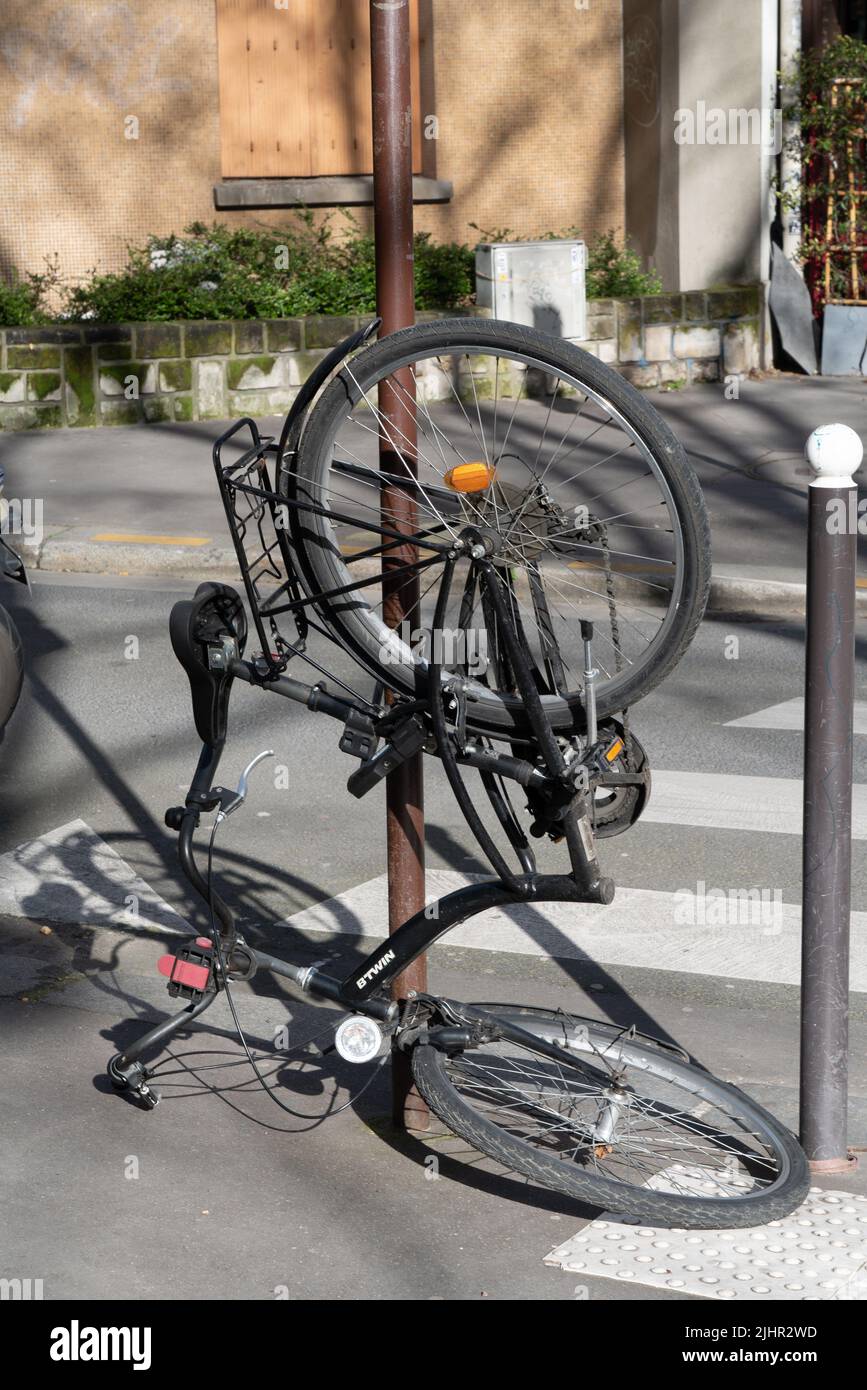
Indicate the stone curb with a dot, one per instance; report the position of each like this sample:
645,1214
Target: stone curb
764,598
729,597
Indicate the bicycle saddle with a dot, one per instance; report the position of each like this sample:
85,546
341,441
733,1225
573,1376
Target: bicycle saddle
207,632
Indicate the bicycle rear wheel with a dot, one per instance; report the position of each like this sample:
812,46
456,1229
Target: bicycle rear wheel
622,1123
595,511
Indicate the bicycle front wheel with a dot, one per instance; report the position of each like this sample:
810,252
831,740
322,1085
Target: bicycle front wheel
625,1124
593,510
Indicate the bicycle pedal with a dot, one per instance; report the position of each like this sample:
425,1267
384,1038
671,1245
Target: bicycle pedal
190,970
133,1077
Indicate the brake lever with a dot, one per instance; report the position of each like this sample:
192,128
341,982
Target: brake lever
230,800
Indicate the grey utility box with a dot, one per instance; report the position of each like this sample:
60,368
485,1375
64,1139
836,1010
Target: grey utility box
539,283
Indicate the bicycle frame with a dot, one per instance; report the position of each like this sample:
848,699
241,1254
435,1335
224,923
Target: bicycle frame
363,990
208,635
418,933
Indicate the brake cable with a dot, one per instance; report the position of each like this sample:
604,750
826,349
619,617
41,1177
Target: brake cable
224,975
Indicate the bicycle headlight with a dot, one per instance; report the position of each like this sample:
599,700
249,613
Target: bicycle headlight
358,1039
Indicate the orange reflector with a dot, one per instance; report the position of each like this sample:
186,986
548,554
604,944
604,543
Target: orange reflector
470,477
614,751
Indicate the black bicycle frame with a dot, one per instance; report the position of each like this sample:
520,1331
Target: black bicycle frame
430,923
364,989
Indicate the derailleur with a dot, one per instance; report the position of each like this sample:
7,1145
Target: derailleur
580,526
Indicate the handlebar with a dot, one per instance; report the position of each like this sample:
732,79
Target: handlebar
315,697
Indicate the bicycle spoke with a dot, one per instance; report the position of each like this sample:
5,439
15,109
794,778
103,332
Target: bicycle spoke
485,405
556,1105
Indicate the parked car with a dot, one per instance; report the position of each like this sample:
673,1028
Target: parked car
11,652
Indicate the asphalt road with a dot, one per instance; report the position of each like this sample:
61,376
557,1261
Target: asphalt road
107,736
747,452
225,1205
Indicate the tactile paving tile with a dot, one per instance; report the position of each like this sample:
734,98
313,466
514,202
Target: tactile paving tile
817,1253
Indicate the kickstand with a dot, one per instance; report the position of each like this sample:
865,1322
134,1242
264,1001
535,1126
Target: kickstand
126,1071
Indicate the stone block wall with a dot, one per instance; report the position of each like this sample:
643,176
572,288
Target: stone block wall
82,375
672,340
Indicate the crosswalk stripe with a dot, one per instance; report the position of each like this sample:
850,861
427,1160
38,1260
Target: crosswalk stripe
643,928
735,932
723,801
790,715
71,875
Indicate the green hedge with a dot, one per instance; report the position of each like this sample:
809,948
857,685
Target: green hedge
221,272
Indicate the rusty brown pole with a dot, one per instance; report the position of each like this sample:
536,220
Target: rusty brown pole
395,299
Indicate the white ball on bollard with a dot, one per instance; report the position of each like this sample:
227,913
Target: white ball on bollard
834,452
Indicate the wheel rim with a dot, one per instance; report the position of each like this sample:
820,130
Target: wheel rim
618,1113
531,438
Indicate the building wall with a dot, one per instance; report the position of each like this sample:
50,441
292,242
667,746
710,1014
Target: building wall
698,208
70,75
528,99
650,47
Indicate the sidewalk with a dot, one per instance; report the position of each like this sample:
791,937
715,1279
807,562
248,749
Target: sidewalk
155,483
211,1199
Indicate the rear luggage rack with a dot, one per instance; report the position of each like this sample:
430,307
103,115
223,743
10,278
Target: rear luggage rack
258,520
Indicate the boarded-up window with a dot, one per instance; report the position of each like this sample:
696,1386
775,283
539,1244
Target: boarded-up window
295,88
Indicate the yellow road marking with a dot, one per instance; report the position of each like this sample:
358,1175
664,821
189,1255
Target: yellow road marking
651,566
127,538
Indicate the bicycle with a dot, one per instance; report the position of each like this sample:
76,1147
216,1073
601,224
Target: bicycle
600,1113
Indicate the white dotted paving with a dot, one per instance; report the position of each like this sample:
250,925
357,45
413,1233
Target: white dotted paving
817,1253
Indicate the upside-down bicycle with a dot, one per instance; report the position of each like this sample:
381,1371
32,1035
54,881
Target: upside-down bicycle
554,540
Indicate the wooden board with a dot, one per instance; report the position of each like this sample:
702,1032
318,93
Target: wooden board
295,88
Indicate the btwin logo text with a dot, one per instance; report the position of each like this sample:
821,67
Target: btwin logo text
374,970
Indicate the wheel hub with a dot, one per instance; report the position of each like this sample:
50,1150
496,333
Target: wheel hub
521,518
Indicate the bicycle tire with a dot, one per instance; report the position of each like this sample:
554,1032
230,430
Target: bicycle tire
11,667
320,564
651,1207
